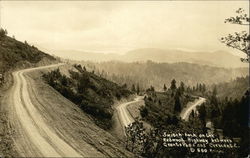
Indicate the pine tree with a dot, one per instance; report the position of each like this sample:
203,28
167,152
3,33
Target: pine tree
137,89
202,113
177,104
203,88
197,87
200,87
182,87
152,88
124,85
214,93
164,88
133,88
173,84
192,114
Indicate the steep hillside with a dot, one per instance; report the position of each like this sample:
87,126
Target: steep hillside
15,54
156,74
50,113
93,94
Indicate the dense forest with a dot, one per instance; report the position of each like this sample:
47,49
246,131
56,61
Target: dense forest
151,73
164,107
93,94
230,116
229,119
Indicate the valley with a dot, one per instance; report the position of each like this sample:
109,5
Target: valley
119,105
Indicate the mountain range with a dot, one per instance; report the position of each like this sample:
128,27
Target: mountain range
217,58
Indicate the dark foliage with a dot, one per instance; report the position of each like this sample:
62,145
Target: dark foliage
163,108
91,93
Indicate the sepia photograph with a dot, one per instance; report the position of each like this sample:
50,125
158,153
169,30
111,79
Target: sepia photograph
131,79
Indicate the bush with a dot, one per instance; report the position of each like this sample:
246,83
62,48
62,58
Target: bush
3,32
143,111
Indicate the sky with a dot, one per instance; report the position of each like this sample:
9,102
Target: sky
120,26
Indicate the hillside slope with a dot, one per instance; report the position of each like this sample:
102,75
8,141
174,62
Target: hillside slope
64,120
234,89
15,54
93,94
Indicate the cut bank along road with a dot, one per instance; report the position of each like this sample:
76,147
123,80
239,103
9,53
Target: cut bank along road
123,113
41,135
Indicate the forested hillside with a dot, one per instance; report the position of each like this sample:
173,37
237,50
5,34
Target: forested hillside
93,94
234,89
228,117
156,74
163,108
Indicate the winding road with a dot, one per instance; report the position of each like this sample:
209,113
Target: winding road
126,118
41,136
123,113
187,111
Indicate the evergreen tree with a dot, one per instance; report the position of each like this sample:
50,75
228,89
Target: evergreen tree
164,88
137,89
202,113
124,85
192,114
214,93
182,87
84,68
173,84
203,88
193,89
197,87
133,88
3,32
177,104
152,88
159,102
200,87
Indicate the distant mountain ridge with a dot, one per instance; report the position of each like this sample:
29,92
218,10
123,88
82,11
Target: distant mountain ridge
217,58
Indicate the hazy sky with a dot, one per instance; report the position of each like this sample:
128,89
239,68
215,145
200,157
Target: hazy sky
117,27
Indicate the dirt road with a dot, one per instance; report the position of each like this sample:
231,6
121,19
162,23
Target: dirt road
123,113
186,112
45,140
